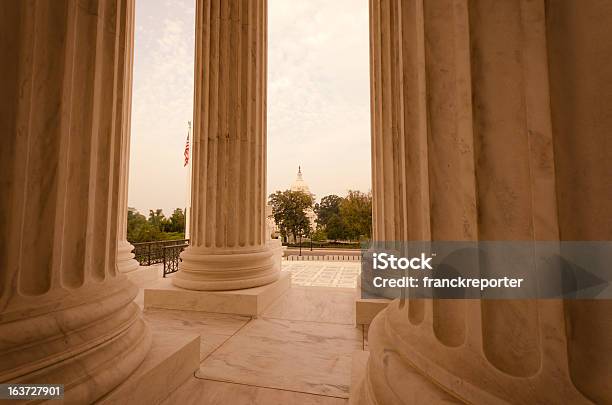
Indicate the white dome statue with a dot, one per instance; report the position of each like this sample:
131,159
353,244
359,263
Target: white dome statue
299,184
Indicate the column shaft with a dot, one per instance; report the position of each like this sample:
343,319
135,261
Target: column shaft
125,258
228,246
66,315
579,52
470,142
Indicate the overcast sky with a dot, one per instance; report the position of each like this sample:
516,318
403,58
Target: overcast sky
318,98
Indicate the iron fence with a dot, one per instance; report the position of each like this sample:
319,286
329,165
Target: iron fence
148,253
171,257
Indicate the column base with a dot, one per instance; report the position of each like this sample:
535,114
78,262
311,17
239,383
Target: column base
125,258
367,309
251,302
205,269
277,248
385,377
152,381
417,389
88,347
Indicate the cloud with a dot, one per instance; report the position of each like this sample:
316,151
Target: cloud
318,97
318,94
162,102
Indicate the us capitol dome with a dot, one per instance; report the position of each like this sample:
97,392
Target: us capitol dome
299,184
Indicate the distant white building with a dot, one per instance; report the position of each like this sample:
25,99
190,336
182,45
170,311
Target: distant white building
298,185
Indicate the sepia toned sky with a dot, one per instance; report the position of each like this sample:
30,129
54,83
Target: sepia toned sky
318,98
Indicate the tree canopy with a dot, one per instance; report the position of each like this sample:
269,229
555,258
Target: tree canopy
289,212
347,217
356,213
328,217
156,227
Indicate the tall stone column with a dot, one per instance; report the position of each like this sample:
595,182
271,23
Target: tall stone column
228,245
470,142
125,258
66,315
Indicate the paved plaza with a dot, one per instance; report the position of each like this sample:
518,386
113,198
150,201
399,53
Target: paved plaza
309,318
323,273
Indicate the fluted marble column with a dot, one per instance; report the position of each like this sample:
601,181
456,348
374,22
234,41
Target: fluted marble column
470,142
125,258
228,245
66,314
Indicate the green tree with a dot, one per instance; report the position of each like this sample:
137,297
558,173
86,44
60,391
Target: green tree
177,221
336,228
356,213
135,221
328,207
148,233
156,227
319,235
157,219
289,212
328,217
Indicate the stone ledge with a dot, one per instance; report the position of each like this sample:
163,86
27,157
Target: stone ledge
173,358
145,274
367,309
250,301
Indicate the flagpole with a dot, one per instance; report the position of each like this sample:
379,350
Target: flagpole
188,186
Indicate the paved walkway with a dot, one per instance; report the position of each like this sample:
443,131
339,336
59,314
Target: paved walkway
298,352
324,274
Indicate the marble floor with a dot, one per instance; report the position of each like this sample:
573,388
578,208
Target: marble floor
299,351
318,273
324,273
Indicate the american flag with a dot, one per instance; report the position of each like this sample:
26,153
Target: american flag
186,151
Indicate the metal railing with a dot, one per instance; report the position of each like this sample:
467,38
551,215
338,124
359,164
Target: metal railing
172,257
148,253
